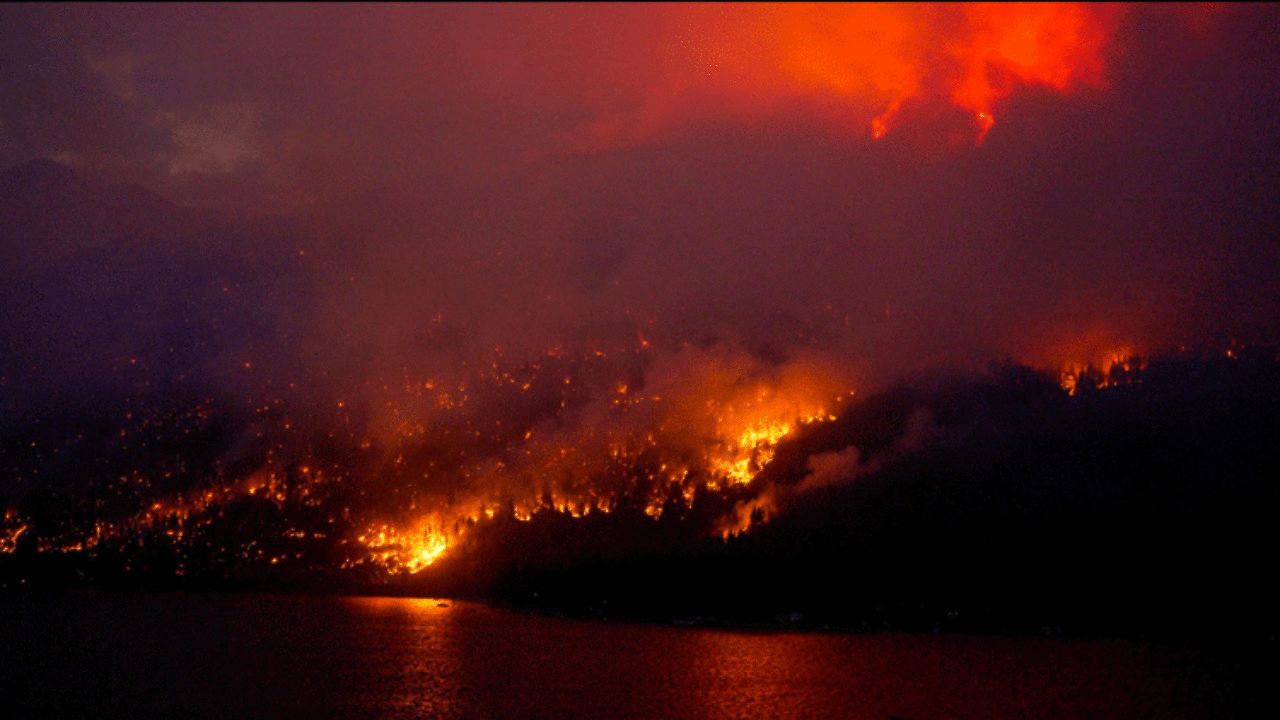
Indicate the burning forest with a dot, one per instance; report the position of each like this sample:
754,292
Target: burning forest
693,311
217,490
652,478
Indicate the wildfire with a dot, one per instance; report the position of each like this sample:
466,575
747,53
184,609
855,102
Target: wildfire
870,61
695,420
571,432
742,457
1055,45
751,450
10,530
1088,366
411,551
1116,369
693,426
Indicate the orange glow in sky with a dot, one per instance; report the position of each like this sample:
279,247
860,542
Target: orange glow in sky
882,55
869,61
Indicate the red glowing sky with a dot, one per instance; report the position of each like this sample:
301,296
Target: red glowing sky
901,184
863,61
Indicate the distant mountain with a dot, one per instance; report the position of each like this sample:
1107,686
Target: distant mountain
48,211
39,176
108,290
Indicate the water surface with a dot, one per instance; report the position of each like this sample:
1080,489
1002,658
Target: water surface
174,655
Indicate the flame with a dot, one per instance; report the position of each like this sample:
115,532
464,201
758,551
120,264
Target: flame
1096,356
744,453
11,529
865,63
698,417
901,52
1115,368
1055,45
662,431
402,497
404,551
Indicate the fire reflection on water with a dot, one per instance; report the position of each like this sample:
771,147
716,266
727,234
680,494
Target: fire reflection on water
414,656
167,655
459,660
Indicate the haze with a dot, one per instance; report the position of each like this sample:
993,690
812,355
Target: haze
874,188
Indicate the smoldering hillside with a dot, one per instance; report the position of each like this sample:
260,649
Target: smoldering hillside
987,504
622,318
162,372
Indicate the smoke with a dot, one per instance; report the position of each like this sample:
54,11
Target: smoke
495,252
847,465
701,174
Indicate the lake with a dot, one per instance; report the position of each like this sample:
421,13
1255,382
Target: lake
136,655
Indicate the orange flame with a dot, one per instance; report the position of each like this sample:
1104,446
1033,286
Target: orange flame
975,59
709,411
864,62
1056,45
1100,373
695,420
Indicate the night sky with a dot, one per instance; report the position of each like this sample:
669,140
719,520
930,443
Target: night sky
529,171
352,207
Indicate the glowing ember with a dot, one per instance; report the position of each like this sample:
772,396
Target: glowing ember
634,428
693,427
10,530
648,438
